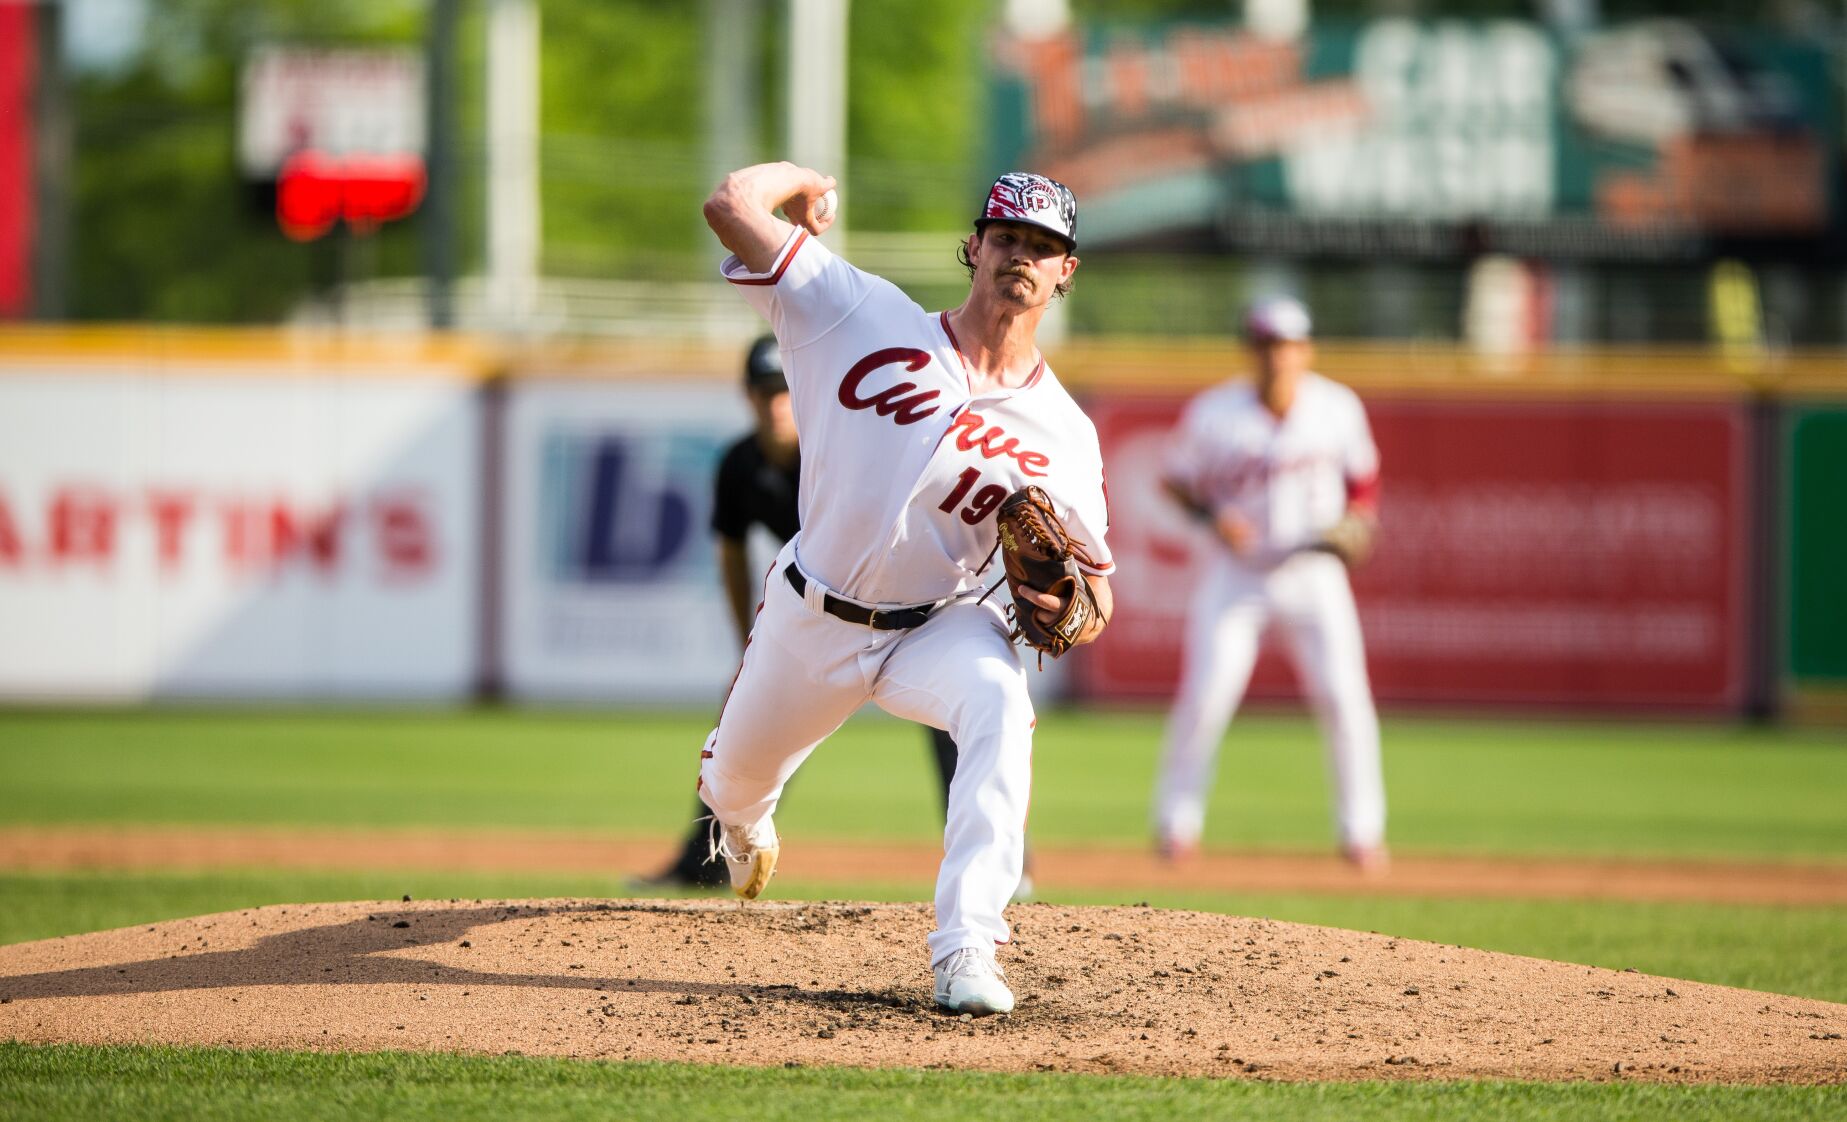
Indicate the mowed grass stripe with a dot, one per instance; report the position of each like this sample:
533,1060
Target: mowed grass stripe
136,1083
1488,787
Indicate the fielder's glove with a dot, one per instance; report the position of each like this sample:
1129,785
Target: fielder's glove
1349,539
1039,553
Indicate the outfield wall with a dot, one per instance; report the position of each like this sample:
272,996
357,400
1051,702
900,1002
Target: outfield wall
1540,553
202,520
269,515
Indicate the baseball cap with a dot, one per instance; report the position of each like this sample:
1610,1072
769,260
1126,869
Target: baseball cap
1277,318
763,366
1037,200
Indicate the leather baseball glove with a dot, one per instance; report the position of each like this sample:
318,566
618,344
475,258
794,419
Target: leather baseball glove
1349,539
1039,553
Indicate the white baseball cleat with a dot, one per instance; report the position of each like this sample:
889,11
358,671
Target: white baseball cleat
969,981
750,855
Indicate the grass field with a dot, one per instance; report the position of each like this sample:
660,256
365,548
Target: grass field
193,1083
1475,787
1455,786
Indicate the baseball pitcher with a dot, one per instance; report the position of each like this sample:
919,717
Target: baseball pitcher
916,429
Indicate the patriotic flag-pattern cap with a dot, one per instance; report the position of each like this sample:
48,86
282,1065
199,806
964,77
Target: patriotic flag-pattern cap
1022,196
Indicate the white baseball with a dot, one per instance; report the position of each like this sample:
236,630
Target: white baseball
826,206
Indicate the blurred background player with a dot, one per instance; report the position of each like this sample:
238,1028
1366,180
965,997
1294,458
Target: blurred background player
1284,470
758,479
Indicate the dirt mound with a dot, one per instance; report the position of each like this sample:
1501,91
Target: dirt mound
1101,989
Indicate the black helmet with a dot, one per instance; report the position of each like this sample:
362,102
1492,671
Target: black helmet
763,367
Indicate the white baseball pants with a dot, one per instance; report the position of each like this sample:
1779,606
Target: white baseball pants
805,672
1309,600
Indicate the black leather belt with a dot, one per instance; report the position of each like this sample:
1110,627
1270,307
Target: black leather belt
879,619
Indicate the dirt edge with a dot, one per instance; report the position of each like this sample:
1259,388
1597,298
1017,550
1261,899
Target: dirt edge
825,862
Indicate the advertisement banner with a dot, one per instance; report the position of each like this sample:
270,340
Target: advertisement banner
610,580
1579,555
1648,139
245,533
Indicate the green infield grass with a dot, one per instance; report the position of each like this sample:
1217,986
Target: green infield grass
132,1084
1455,786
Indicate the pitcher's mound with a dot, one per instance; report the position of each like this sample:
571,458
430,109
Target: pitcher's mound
1100,989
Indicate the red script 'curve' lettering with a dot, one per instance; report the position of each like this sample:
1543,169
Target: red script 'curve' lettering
967,429
891,401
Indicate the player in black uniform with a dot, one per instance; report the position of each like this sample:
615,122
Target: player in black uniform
757,483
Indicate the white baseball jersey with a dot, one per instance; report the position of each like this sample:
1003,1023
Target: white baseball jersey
1290,477
882,398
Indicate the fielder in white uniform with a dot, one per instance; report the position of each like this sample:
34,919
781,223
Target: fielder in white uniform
915,425
1272,465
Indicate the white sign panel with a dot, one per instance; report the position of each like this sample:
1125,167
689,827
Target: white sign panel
351,100
262,535
611,587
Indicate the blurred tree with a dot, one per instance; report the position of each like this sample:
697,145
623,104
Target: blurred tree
916,93
621,167
623,161
166,229
164,226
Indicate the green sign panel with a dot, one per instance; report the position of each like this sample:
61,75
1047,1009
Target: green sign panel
1817,546
1650,139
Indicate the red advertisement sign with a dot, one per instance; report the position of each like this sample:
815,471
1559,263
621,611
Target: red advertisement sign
1576,554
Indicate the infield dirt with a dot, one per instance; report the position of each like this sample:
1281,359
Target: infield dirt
1136,989
1057,868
